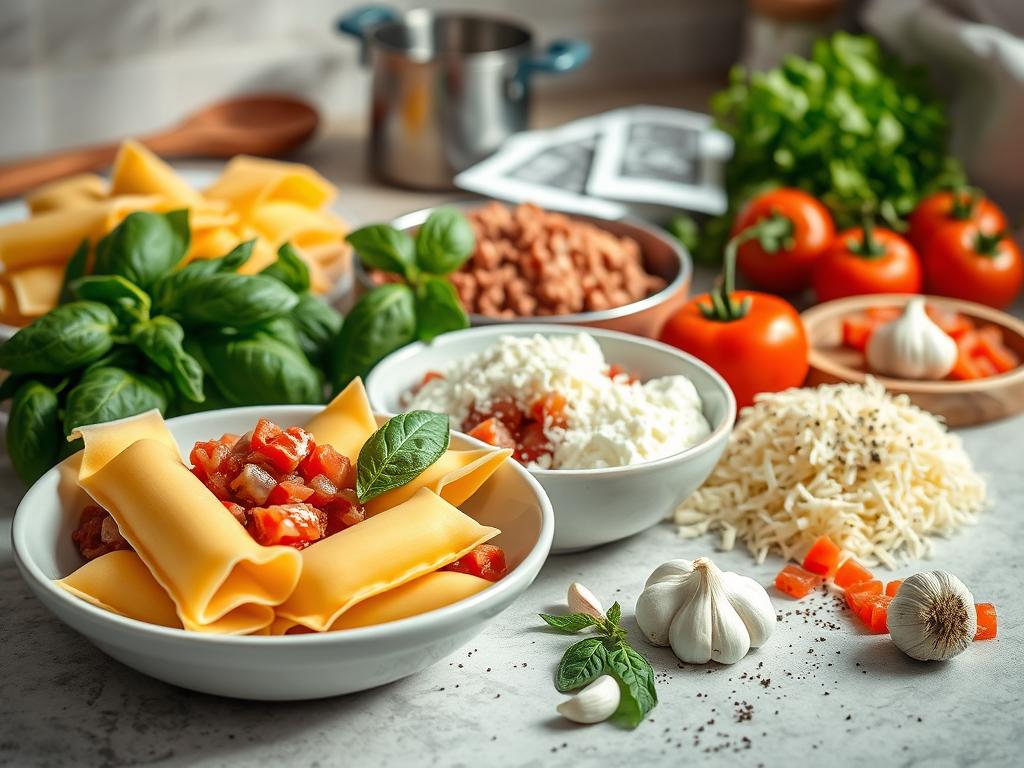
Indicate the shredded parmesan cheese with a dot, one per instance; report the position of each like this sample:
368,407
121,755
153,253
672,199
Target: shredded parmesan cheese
874,472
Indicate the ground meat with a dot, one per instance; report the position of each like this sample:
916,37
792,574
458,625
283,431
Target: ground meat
97,533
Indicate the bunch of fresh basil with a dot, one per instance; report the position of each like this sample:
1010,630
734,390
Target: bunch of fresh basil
140,333
421,305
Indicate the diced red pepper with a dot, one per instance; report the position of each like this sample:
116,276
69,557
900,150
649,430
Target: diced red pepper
893,587
823,557
493,432
486,561
287,492
795,581
296,525
324,460
851,572
857,593
987,626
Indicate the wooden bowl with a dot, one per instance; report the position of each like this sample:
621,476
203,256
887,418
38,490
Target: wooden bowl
961,403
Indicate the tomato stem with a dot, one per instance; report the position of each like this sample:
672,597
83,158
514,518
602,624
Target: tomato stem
867,247
774,233
965,200
988,244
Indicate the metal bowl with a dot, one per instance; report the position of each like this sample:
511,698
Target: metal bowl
663,256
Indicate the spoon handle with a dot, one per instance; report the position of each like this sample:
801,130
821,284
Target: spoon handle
18,178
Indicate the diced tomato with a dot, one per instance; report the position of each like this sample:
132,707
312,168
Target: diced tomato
857,329
965,368
878,607
504,409
882,314
285,450
823,557
952,323
261,435
795,581
287,492
851,572
986,621
615,370
323,489
857,593
893,587
253,484
324,460
990,346
294,525
493,432
549,409
486,561
343,511
533,443
429,376
206,457
237,510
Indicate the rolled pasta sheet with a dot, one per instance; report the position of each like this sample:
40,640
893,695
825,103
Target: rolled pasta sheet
71,192
219,578
248,181
454,477
138,171
121,583
346,423
383,552
35,288
52,236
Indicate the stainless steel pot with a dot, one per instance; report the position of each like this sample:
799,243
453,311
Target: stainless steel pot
448,88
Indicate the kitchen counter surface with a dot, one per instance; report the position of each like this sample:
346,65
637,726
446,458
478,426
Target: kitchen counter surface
820,692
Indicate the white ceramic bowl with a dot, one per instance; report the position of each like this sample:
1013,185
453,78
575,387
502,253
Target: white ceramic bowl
295,666
592,506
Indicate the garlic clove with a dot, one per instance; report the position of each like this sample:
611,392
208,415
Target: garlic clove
597,702
656,606
673,568
582,600
753,606
690,633
912,346
932,617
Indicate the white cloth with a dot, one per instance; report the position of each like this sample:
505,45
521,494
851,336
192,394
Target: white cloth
975,52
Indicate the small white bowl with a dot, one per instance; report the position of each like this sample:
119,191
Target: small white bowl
592,506
294,666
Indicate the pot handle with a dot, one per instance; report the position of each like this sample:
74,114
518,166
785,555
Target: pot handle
358,20
561,56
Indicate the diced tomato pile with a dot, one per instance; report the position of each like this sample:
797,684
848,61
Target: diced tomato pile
982,351
865,595
486,561
505,424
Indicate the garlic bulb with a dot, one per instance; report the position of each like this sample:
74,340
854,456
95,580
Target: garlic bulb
597,702
932,617
912,346
582,600
703,613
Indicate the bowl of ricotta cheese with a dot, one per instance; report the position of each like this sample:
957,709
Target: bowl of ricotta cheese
618,429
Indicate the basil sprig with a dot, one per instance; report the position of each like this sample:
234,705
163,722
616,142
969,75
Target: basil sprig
139,332
420,304
608,654
399,451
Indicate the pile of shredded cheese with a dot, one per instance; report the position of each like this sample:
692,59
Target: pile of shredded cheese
611,422
874,472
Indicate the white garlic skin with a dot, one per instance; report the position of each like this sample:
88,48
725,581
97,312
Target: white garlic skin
932,617
912,346
582,600
703,613
595,703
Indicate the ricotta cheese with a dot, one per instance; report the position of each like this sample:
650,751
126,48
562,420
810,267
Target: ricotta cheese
610,422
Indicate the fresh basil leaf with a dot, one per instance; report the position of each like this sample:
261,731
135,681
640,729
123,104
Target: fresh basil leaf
382,321
290,268
257,369
381,246
229,299
581,664
144,247
444,242
229,262
11,384
570,623
129,302
317,324
399,451
614,614
109,393
160,339
76,268
281,329
636,682
33,431
438,309
66,338
118,357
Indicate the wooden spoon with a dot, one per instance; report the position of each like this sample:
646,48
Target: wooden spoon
255,125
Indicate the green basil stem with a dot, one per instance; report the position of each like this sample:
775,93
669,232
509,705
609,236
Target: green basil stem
774,233
988,244
867,247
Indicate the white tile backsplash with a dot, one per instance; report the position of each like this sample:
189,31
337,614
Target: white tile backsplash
81,71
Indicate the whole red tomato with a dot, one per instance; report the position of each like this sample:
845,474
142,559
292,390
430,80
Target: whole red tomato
936,211
784,269
965,261
867,260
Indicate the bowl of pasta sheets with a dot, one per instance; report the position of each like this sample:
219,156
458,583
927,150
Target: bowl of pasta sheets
281,552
